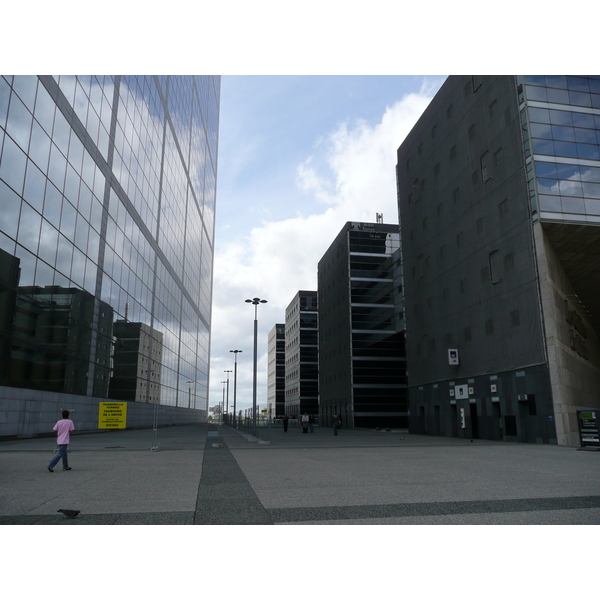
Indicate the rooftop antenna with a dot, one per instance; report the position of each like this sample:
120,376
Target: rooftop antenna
379,217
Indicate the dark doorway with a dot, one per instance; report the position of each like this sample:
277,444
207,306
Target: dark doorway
454,419
474,421
497,421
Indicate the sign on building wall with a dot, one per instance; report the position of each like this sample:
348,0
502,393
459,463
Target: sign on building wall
452,357
461,392
112,415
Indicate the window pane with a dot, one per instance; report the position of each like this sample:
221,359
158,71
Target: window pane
536,93
540,115
547,186
12,165
565,134
543,147
585,136
573,205
19,122
556,81
568,172
540,130
550,203
570,188
588,152
565,149
558,96
590,174
591,190
29,227
561,117
11,207
584,120
35,187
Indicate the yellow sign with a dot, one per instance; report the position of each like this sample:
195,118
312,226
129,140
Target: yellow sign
112,415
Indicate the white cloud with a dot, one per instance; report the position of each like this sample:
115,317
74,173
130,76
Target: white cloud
351,176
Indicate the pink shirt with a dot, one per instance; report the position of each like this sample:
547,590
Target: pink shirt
63,428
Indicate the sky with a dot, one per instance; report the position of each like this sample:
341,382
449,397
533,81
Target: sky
299,156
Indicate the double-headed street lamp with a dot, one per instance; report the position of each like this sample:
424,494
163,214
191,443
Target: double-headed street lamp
234,383
256,302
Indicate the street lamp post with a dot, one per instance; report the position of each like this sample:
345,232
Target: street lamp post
227,409
234,383
190,393
256,302
223,403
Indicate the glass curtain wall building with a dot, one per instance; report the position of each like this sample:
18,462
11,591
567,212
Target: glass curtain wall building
499,204
362,364
276,371
302,355
107,190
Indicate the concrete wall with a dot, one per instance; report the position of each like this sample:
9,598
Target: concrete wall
28,413
575,380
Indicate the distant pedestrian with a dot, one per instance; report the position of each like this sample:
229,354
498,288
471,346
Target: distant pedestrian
285,423
63,430
304,423
335,420
311,423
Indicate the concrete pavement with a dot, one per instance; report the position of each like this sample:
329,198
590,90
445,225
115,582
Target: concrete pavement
205,474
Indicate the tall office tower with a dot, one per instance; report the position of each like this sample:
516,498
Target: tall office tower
276,371
499,203
362,366
302,355
107,196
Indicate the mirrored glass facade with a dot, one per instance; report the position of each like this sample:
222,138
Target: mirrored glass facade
561,129
107,197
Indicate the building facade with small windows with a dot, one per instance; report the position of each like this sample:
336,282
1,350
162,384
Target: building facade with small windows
302,355
362,364
107,197
276,371
499,205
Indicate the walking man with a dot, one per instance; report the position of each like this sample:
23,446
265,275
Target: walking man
336,424
63,430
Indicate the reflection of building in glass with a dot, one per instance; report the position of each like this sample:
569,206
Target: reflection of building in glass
9,281
107,186
276,371
137,363
499,201
301,355
362,368
54,346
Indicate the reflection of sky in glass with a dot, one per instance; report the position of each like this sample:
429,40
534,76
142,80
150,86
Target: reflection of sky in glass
568,134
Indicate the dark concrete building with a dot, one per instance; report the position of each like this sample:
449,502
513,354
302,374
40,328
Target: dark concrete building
362,366
499,205
301,355
276,371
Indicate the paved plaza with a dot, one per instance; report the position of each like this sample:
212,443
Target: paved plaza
215,475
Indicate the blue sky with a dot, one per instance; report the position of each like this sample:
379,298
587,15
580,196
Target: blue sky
298,157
